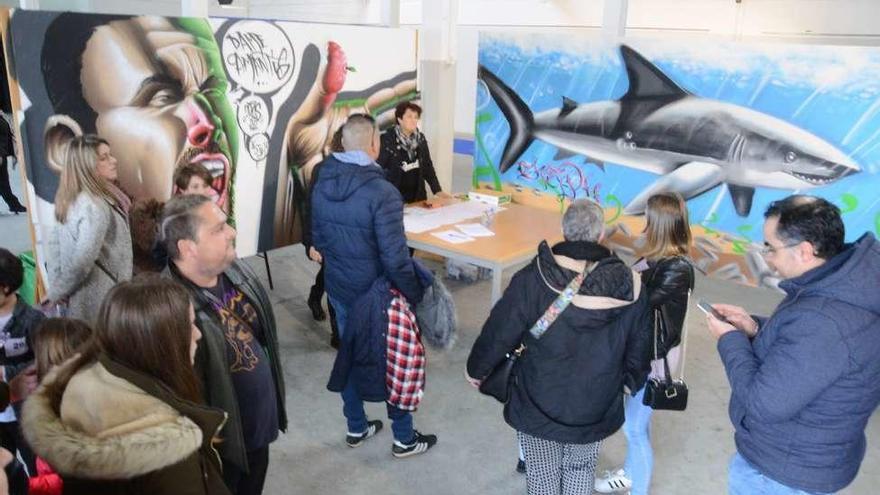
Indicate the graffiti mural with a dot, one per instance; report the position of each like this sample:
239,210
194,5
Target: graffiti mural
732,127
254,101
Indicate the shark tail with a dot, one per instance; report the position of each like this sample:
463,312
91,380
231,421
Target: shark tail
517,113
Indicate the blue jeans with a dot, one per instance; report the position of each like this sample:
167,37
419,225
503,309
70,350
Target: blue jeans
639,454
744,479
353,406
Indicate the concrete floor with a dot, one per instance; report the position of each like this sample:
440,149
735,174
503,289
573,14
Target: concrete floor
476,451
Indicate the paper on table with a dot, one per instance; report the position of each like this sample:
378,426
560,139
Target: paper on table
452,236
475,230
419,222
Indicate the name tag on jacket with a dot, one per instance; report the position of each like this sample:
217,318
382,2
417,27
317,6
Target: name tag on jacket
406,167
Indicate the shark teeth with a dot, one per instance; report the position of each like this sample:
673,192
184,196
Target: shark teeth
813,179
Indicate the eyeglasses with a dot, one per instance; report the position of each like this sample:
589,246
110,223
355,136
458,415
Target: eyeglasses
768,249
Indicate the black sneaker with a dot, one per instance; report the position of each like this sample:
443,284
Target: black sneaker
419,445
357,439
521,466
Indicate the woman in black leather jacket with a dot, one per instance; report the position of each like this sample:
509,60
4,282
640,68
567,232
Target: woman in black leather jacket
668,277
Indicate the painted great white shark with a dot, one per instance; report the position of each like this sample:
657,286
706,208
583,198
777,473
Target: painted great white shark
694,143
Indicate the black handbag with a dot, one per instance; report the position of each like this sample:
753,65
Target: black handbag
666,393
500,380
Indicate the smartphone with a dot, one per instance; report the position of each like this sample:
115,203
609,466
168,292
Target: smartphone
709,310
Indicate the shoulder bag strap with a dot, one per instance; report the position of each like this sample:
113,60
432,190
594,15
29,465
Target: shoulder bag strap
684,330
560,303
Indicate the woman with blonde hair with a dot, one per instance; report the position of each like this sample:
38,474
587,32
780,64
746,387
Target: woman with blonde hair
668,277
126,415
90,247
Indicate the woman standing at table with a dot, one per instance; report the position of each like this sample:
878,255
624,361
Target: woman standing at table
405,157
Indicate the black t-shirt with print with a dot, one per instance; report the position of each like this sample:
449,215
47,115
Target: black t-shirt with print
248,365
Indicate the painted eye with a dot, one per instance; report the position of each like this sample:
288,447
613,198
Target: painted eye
162,98
791,157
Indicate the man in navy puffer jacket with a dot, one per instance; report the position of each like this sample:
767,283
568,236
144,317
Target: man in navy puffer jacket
357,226
805,380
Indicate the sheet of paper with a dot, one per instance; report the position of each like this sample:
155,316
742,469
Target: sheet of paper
418,221
453,236
474,230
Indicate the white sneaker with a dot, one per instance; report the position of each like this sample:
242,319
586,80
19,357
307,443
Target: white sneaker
613,482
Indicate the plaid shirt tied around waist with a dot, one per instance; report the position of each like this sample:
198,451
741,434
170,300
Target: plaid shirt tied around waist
405,358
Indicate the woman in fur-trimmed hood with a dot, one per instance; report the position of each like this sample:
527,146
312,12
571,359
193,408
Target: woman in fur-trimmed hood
125,416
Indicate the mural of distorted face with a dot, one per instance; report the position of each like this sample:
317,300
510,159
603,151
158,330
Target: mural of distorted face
256,102
157,100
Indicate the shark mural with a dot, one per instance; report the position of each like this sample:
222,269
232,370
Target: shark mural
731,127
694,143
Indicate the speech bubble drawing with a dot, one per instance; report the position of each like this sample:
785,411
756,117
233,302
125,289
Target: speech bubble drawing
258,146
253,115
258,56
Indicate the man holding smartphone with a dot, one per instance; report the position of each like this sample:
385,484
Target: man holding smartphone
804,380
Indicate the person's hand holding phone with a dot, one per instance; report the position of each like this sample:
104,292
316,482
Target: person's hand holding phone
719,322
738,317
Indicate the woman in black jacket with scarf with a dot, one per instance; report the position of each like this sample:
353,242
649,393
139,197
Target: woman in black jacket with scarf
668,278
405,157
602,338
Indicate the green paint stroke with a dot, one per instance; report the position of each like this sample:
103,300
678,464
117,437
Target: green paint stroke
488,168
484,117
739,246
877,223
615,203
850,203
744,229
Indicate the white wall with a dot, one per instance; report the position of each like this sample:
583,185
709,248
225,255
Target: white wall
333,11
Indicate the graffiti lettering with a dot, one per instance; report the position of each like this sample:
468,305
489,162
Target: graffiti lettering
253,56
565,179
253,115
258,56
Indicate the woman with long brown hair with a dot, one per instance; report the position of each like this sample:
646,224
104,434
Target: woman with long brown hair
125,416
669,277
90,249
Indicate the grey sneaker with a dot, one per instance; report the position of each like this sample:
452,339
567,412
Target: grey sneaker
419,445
357,439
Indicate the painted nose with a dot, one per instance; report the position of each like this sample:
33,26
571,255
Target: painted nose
198,127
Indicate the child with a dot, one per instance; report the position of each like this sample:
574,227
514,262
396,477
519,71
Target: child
194,178
17,321
55,341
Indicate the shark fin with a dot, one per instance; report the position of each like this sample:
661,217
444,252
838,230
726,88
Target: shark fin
562,154
742,198
646,80
568,106
517,113
689,180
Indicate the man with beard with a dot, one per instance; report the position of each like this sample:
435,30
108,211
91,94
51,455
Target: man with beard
237,358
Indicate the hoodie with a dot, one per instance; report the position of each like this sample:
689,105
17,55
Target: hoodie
803,389
568,385
357,225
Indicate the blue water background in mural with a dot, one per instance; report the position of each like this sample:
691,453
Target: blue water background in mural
816,88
